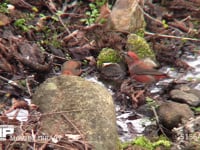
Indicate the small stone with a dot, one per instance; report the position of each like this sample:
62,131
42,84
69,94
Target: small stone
171,114
185,97
113,71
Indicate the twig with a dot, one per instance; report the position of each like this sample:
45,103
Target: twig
162,35
64,6
34,139
69,36
60,19
157,120
52,113
4,92
53,10
150,17
54,56
13,83
28,87
171,36
44,146
66,111
74,126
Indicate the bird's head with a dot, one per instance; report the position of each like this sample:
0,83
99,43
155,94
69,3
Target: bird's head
130,57
133,55
71,67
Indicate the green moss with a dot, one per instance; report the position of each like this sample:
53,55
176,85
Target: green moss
108,55
143,142
139,45
140,32
147,144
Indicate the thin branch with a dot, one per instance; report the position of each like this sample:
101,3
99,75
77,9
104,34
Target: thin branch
28,87
150,17
53,10
162,35
157,120
76,128
13,83
171,36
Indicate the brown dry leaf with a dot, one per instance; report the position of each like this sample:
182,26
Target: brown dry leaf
29,55
19,104
8,121
182,64
180,25
21,4
104,12
91,60
5,65
4,20
51,5
81,52
31,52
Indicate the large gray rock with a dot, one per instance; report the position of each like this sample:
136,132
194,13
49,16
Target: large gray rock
88,105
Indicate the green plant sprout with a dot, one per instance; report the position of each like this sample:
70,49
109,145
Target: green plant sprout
165,25
21,23
196,109
4,8
94,12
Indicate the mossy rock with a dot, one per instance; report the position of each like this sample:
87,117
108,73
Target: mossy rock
139,45
108,55
87,104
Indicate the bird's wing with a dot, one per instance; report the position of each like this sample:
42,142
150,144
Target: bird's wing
139,70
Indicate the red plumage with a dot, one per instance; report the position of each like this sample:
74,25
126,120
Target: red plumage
141,70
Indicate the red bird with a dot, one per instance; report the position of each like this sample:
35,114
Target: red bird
71,67
143,70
